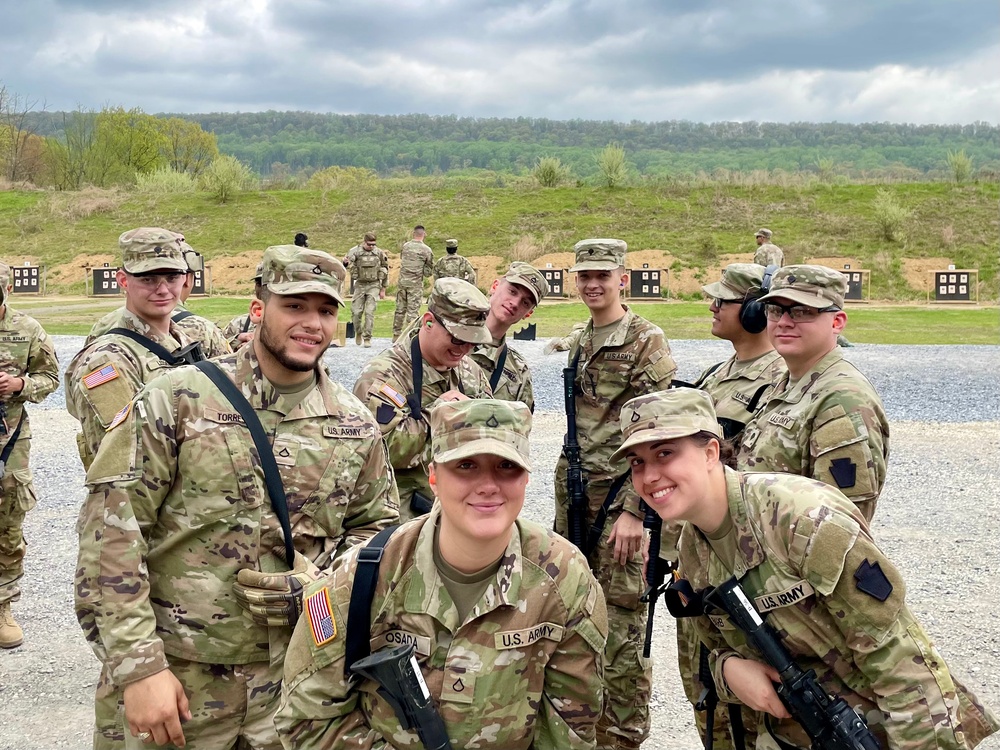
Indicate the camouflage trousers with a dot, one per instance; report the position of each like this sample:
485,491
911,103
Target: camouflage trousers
628,676
364,300
408,299
17,497
688,651
232,706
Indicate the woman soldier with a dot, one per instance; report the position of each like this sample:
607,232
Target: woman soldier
508,622
806,559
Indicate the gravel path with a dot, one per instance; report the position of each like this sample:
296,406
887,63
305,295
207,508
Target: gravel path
938,520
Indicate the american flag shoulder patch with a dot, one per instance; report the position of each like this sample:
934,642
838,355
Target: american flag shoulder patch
120,416
320,614
395,396
100,376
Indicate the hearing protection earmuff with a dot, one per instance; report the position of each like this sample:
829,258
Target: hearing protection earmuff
752,316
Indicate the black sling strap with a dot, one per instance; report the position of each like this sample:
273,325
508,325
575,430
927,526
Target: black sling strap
498,373
246,325
180,315
359,613
7,449
752,406
414,399
251,421
185,355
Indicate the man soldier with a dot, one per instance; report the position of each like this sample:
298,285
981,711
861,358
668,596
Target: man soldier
416,262
453,264
240,329
823,419
429,363
29,372
104,376
213,340
369,267
617,356
767,254
512,299
184,587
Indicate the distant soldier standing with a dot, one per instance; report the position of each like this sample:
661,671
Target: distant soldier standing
369,267
618,356
453,264
767,254
240,329
29,372
429,363
513,298
416,262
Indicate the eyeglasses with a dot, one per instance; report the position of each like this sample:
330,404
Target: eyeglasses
153,280
454,341
369,244
798,313
717,302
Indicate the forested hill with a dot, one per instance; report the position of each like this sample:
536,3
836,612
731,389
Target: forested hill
423,143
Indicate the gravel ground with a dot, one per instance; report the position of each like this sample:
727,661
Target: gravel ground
938,520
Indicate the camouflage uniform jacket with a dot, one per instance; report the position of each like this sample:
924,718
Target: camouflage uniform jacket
454,265
522,671
368,266
236,326
26,351
733,384
635,359
416,261
769,255
829,425
213,340
120,367
515,381
383,386
802,551
177,506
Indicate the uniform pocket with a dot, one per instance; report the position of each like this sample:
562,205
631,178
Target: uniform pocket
224,482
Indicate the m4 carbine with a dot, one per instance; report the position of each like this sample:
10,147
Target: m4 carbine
576,489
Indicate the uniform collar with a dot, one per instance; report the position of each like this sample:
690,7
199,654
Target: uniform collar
319,402
620,336
793,392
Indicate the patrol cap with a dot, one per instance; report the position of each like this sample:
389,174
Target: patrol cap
765,233
290,269
451,243
814,286
526,275
152,249
462,308
599,255
259,271
194,261
460,429
738,280
666,415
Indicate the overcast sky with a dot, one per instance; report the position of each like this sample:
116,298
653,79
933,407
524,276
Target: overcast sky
923,61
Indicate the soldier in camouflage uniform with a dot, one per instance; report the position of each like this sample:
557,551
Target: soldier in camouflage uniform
29,372
512,299
369,267
805,556
453,264
767,254
617,356
104,376
823,419
416,262
182,587
213,340
437,348
240,329
508,621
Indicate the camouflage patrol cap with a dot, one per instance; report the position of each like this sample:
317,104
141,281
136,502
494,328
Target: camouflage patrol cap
151,249
666,415
738,280
814,286
451,243
259,271
462,308
460,429
599,255
290,269
765,233
195,262
529,277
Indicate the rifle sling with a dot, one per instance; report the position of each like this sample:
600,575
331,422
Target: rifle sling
151,346
272,478
180,315
498,373
602,515
359,613
11,441
414,399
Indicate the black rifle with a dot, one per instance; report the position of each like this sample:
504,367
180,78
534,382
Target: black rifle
829,721
657,573
397,674
576,489
420,504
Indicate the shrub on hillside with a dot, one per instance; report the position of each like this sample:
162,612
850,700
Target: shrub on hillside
550,172
333,178
164,181
960,165
889,215
225,177
612,166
